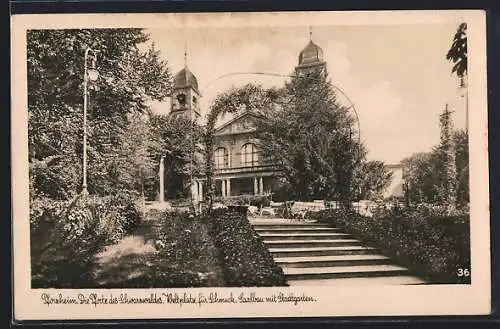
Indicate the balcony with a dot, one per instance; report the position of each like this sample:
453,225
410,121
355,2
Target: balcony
247,170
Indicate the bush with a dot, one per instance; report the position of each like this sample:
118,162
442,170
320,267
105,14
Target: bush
64,241
66,236
252,200
124,204
433,247
187,255
244,256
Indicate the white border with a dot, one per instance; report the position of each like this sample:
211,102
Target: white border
332,301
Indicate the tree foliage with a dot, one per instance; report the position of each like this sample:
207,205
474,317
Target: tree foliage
457,53
371,178
314,140
128,78
424,173
306,132
179,140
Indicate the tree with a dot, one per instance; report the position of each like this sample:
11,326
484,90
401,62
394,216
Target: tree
179,140
313,140
446,152
458,51
128,79
372,178
440,177
461,142
421,177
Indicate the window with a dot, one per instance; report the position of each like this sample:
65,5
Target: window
221,158
249,156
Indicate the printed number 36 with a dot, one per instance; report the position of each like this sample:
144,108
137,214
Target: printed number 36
463,272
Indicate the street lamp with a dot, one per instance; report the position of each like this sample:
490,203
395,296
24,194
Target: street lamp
92,74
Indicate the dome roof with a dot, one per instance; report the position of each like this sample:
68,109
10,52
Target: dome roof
185,78
311,54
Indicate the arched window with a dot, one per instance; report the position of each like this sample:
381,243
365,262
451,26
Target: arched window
221,158
249,155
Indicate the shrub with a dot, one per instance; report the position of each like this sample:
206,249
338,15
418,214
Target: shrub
244,256
64,241
432,246
127,213
66,236
187,256
253,200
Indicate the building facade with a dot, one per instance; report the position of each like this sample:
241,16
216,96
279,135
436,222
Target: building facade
239,168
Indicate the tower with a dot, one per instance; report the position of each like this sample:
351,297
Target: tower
311,59
185,95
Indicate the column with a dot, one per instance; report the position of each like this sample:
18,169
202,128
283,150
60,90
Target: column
255,186
194,191
200,191
228,187
223,183
161,172
261,185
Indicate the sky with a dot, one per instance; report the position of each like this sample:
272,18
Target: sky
397,77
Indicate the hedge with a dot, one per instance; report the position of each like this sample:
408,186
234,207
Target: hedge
432,247
187,256
253,200
245,258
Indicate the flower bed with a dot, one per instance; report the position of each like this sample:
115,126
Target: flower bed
244,256
436,248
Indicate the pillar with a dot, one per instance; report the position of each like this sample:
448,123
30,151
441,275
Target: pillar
261,185
223,183
161,172
255,186
200,191
194,191
228,187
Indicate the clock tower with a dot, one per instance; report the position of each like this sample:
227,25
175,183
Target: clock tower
185,95
311,59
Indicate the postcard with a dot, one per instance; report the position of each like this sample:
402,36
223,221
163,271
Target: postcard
250,165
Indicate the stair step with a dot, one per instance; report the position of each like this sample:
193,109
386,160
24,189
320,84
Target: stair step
304,236
306,273
310,243
321,251
376,281
289,225
311,230
327,261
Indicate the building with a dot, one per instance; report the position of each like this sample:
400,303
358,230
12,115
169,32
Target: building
239,169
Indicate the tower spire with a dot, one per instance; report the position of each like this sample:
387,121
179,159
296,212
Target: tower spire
185,54
310,33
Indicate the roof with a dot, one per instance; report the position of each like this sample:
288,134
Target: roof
234,119
311,54
185,78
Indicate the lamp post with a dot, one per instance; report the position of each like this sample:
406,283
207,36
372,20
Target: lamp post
161,197
92,74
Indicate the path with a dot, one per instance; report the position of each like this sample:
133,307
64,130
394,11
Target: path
127,263
311,253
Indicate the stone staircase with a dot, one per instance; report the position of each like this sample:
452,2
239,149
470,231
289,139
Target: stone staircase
316,254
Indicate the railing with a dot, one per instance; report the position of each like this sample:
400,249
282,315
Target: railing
249,169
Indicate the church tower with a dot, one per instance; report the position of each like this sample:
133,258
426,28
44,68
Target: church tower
311,59
185,95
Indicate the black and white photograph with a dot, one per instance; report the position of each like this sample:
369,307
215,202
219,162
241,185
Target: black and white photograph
308,155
